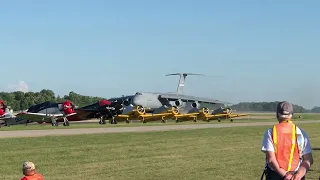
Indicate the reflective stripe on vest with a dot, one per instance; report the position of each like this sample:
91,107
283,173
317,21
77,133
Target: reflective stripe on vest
284,136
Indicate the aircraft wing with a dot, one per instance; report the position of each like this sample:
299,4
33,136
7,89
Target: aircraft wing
192,98
37,117
217,116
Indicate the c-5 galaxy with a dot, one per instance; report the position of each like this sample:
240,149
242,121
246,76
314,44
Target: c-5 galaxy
154,101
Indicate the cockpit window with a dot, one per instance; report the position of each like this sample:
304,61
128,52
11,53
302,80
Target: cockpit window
138,93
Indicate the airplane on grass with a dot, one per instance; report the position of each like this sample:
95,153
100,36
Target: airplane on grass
217,114
49,112
166,113
150,106
7,115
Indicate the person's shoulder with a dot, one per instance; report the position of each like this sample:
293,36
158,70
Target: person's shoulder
268,133
301,131
24,178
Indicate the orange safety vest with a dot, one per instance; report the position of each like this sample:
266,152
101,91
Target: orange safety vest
286,145
33,177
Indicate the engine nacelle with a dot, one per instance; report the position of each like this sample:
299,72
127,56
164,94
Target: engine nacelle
126,102
178,103
195,105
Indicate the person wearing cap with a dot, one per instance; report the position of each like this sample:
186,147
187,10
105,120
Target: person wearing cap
29,172
287,148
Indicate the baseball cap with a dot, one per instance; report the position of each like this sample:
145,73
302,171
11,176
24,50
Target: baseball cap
284,108
28,166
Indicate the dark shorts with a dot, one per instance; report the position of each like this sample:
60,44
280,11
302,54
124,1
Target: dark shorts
271,175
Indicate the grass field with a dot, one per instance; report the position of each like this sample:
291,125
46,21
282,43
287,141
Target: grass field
137,123
253,117
226,153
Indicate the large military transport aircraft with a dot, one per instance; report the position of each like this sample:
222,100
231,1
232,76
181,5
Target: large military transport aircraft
176,105
153,100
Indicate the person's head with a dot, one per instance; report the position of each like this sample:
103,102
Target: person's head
28,168
284,111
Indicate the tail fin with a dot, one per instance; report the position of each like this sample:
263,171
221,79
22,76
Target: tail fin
182,79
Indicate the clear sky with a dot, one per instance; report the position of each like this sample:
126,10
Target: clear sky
263,50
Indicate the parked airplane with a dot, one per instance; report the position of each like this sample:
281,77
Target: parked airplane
154,100
218,114
6,115
188,106
49,112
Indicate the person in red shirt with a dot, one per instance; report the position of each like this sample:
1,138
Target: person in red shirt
2,108
68,108
29,172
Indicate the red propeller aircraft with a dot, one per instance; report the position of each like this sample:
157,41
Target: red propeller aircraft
49,112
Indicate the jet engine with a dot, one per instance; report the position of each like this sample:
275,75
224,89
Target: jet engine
178,102
195,105
126,102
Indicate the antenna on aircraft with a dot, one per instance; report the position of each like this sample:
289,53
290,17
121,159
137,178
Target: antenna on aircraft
182,79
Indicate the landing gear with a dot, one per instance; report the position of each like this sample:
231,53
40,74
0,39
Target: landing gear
219,120
231,120
26,123
102,120
65,122
113,121
195,119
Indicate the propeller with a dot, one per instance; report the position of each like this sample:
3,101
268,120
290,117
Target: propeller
175,110
140,110
205,111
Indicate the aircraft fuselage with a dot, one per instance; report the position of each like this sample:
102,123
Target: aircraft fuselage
152,100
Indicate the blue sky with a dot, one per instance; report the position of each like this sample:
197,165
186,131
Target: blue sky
264,50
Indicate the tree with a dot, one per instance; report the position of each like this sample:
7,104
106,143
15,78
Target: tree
20,101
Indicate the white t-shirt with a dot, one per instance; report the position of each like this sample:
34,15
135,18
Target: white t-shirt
302,138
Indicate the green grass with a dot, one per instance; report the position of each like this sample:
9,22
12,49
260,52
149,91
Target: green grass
122,124
296,115
226,153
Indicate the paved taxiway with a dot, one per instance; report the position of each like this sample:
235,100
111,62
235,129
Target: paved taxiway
55,132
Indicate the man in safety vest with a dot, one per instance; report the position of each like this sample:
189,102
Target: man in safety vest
287,148
29,172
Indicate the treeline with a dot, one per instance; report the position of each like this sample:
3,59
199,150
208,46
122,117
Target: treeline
270,107
20,101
